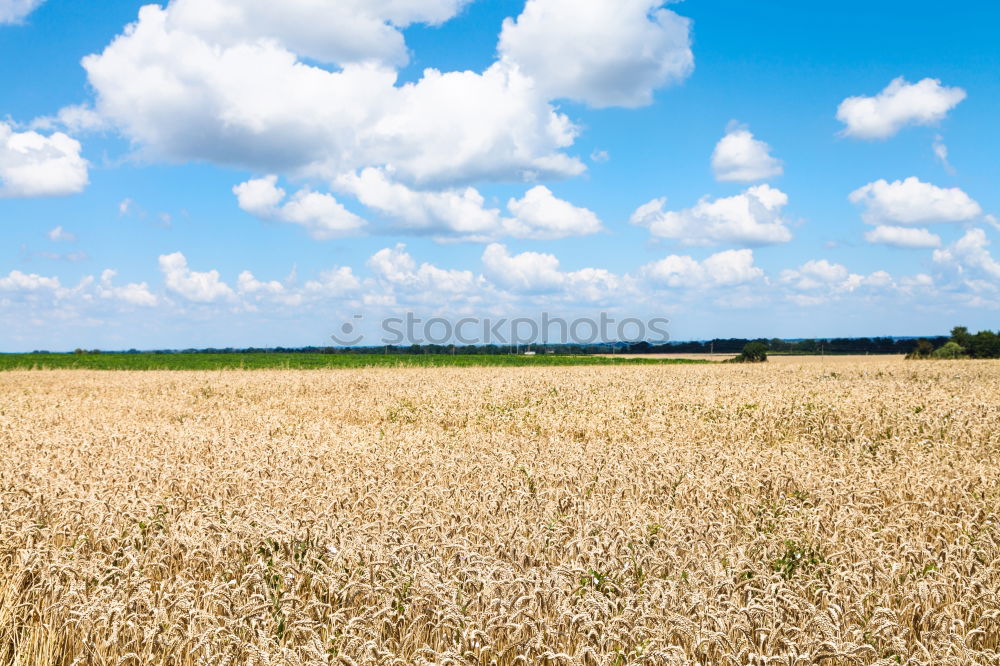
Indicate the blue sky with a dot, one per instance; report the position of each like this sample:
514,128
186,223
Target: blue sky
238,172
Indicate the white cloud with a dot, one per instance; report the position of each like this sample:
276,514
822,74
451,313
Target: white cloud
969,254
59,235
535,272
255,104
596,284
395,268
342,32
246,283
912,201
461,213
540,215
253,290
458,211
599,156
599,52
751,218
194,286
904,237
676,271
336,282
879,279
729,268
739,157
816,281
941,153
14,11
34,165
74,118
823,271
133,293
322,215
528,271
900,104
732,267
18,281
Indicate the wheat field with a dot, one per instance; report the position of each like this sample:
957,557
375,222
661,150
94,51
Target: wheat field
819,511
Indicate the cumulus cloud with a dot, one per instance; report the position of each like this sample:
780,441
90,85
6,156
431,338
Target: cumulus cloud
246,283
133,293
198,287
819,280
598,52
334,283
923,103
528,271
256,104
816,272
461,213
342,32
322,215
969,255
86,291
739,157
28,282
394,267
751,218
14,11
541,215
913,201
35,165
536,272
903,237
252,291
728,268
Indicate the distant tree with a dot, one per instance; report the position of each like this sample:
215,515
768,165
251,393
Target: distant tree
985,344
79,352
949,350
807,346
924,349
960,335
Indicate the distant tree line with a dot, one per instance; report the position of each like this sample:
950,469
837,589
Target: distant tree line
884,345
961,344
981,345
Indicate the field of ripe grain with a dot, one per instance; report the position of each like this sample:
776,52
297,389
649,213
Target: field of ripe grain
839,511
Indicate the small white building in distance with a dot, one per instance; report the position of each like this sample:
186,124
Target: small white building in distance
529,353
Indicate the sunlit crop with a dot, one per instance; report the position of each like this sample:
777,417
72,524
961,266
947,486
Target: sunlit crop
828,511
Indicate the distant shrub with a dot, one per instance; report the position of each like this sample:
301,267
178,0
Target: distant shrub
753,352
